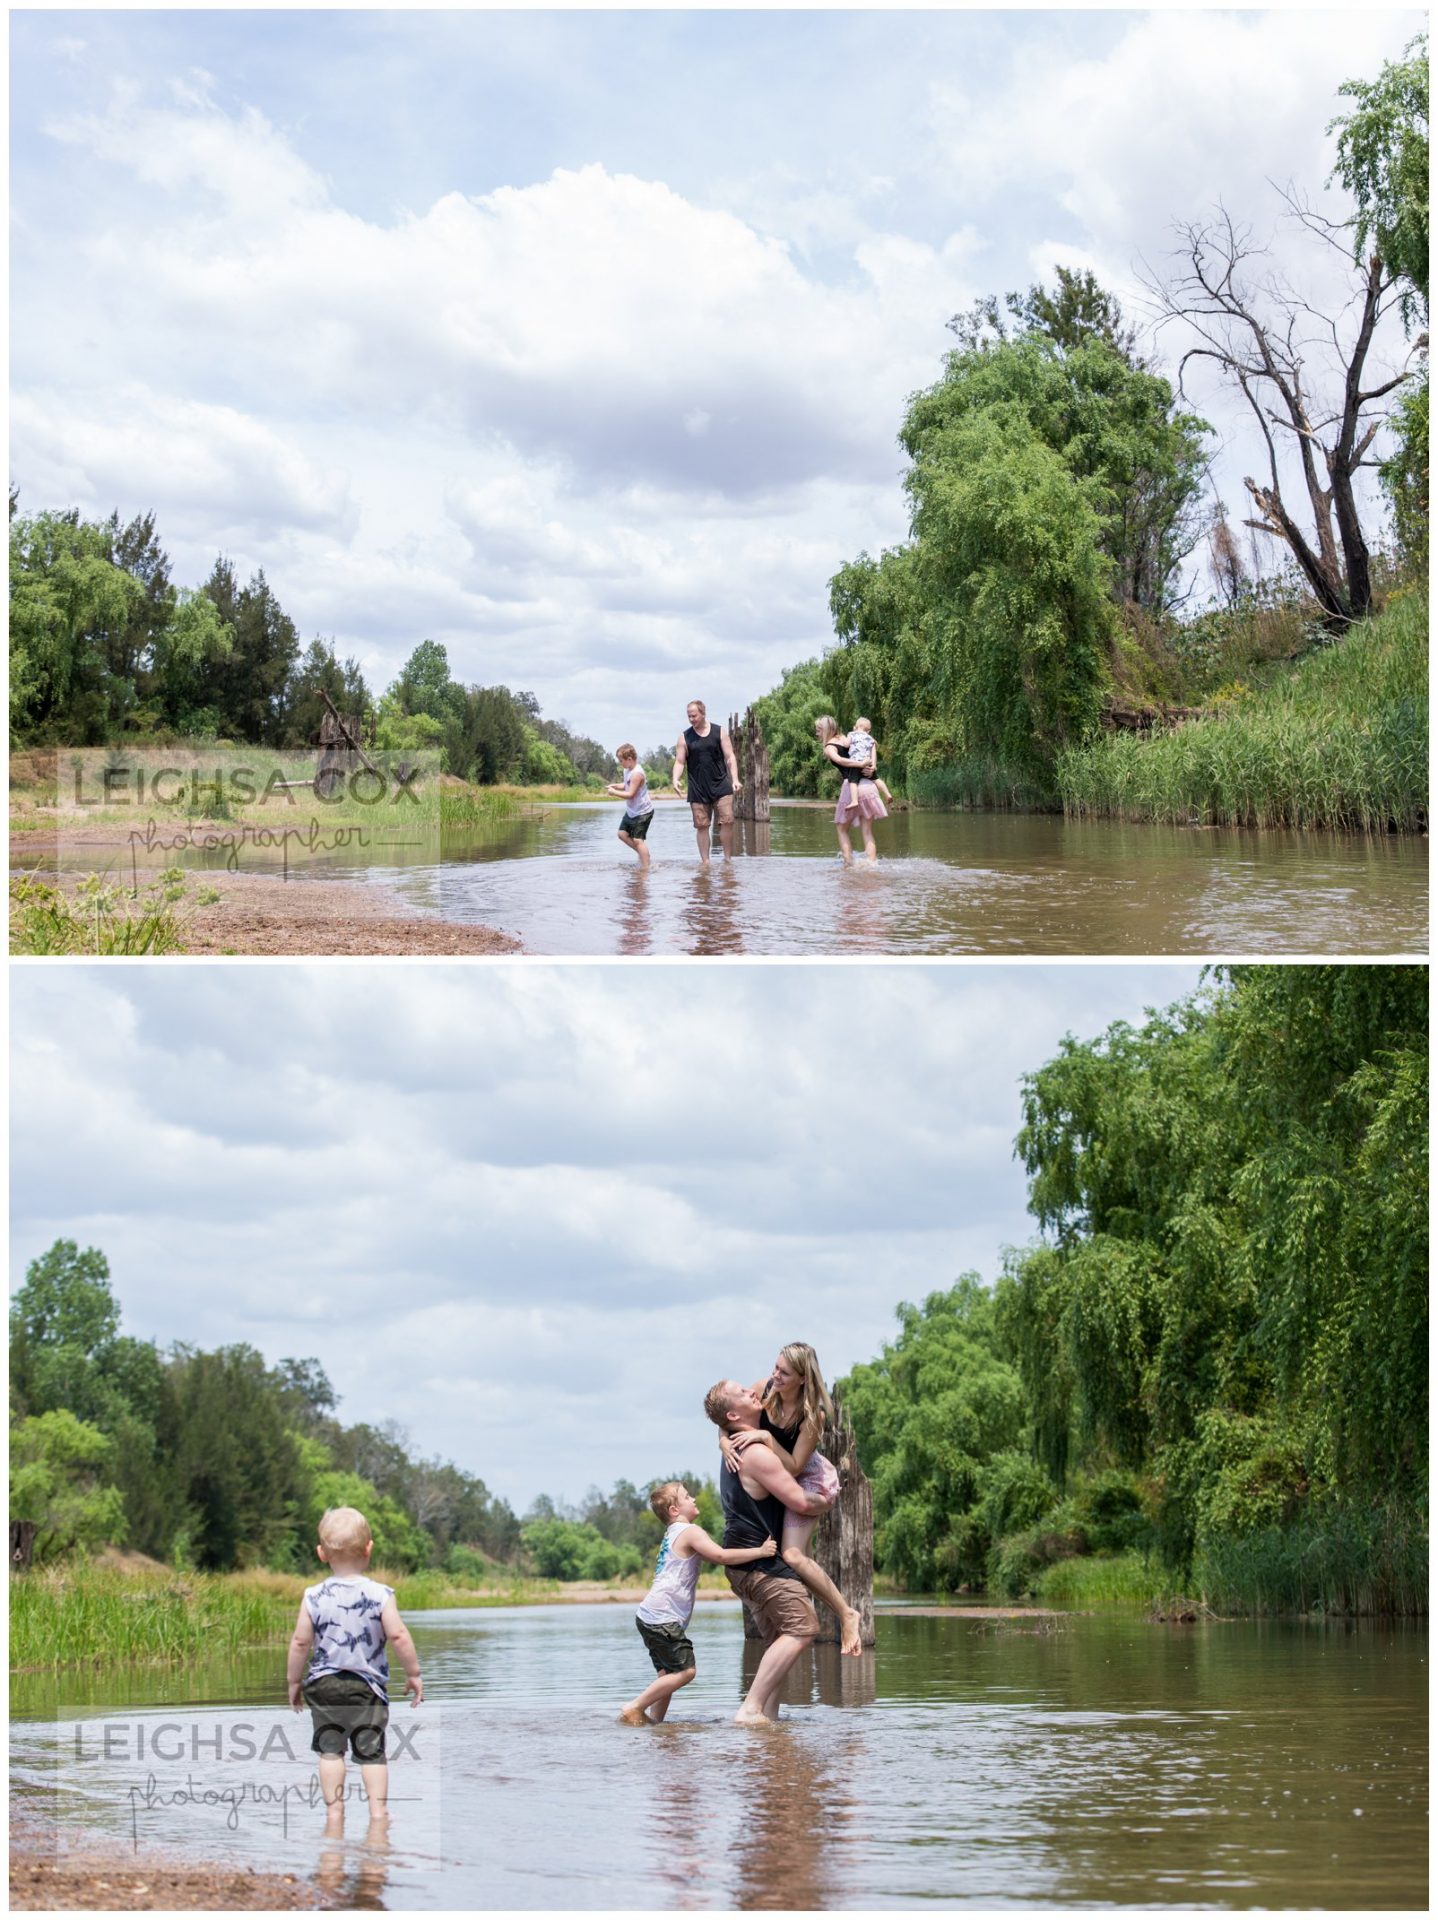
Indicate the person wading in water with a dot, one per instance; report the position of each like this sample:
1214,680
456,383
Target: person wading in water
707,754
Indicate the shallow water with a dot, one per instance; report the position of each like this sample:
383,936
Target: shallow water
946,883
1110,1762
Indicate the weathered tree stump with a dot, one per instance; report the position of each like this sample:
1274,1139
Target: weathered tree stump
339,752
752,757
22,1544
843,1542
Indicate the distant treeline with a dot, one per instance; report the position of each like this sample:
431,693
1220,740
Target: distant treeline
104,647
1218,1357
219,1460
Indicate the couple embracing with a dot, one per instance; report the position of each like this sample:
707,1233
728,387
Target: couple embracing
774,1485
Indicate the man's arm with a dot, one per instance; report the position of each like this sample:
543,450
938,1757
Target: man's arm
728,745
760,1464
681,760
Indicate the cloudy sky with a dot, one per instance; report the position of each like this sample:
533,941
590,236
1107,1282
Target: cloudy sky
580,341
532,1213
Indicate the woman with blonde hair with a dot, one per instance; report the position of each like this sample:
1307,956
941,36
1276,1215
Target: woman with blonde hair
796,1410
858,796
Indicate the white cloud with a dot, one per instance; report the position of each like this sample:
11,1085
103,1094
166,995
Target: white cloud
506,1185
596,432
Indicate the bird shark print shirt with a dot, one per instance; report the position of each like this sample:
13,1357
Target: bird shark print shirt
345,1610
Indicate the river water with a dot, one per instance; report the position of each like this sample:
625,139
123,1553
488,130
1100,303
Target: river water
946,883
1096,1760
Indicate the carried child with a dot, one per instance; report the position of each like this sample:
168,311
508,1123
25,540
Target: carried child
796,1410
633,789
664,1613
338,1664
861,746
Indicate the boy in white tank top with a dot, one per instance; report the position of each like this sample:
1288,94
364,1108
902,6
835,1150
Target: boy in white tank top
663,1616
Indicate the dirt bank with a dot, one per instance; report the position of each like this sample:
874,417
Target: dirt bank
113,1880
263,913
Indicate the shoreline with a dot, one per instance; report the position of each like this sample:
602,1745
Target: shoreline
261,913
106,1879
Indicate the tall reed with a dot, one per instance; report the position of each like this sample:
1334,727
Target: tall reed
1340,743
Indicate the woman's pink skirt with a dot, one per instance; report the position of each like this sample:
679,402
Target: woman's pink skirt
820,1477
868,807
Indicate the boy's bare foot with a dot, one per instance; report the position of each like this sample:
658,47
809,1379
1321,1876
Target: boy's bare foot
634,1717
849,1641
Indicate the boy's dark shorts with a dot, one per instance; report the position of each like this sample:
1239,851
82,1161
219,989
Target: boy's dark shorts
636,825
670,1647
346,1710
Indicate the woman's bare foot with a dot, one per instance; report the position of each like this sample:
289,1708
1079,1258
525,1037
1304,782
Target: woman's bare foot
744,1718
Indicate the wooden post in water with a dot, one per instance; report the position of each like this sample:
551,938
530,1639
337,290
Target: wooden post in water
843,1542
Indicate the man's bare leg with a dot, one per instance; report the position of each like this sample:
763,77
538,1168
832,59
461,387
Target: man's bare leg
779,1656
701,835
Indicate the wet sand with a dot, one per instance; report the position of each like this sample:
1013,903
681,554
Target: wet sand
112,1881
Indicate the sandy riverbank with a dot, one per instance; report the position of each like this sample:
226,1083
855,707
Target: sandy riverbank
109,1879
261,912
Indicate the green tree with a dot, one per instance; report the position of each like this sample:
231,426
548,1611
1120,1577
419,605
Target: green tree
1237,1196
1383,162
58,1468
936,1419
424,685
246,688
321,672
484,740
66,1299
237,1462
66,595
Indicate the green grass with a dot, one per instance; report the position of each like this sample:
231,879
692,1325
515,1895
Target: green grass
1349,1562
98,919
979,781
1341,743
86,1616
80,1614
1100,1580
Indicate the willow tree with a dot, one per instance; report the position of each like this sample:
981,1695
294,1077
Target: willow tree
1052,481
1235,1292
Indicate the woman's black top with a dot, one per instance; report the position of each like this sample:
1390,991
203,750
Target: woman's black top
708,770
864,772
786,1436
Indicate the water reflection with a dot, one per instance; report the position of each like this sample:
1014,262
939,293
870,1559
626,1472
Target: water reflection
1105,1761
946,884
355,1876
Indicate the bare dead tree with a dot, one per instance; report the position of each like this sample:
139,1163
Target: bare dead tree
1302,374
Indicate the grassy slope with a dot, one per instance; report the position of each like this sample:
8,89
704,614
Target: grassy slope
1340,742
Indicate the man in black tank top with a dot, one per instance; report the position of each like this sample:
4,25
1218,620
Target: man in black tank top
754,1500
706,754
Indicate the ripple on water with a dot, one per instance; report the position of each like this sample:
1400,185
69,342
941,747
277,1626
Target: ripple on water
1110,1763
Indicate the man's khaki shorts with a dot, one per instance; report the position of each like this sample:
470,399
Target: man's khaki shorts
704,810
778,1603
